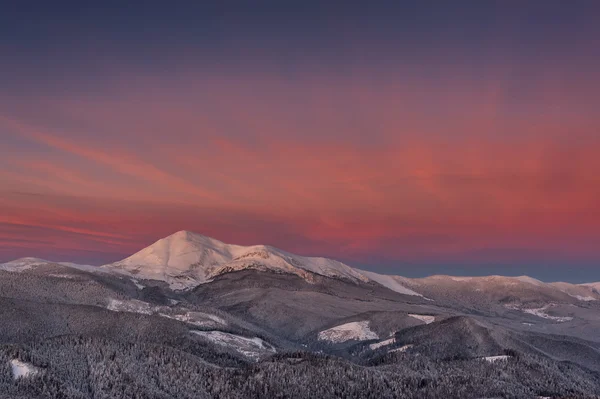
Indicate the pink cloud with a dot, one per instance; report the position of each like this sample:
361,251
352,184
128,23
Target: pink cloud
345,167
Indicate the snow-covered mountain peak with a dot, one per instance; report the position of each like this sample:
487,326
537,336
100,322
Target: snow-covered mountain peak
185,259
175,248
183,237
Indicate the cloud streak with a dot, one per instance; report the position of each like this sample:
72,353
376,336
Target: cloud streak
359,167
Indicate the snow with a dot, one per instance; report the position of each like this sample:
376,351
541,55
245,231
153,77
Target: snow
62,275
401,349
252,348
21,369
541,312
131,306
85,268
137,284
581,292
461,279
22,264
592,285
511,281
185,260
199,319
530,280
212,317
356,330
379,344
424,318
493,359
583,298
394,283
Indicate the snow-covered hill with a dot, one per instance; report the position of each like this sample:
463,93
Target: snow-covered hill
186,259
23,264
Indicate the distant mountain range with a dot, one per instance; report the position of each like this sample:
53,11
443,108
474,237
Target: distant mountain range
190,316
185,259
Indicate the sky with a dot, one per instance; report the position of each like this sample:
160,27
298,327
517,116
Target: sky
410,138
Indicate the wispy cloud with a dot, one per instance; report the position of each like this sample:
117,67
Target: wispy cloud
342,167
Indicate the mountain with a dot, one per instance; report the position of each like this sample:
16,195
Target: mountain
187,259
191,316
276,289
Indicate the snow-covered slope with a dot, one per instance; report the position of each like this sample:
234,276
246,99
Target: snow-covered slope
595,286
23,264
424,318
252,348
491,289
394,283
200,319
186,259
583,292
356,330
383,343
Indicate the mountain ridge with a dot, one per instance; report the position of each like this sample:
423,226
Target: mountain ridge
187,259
